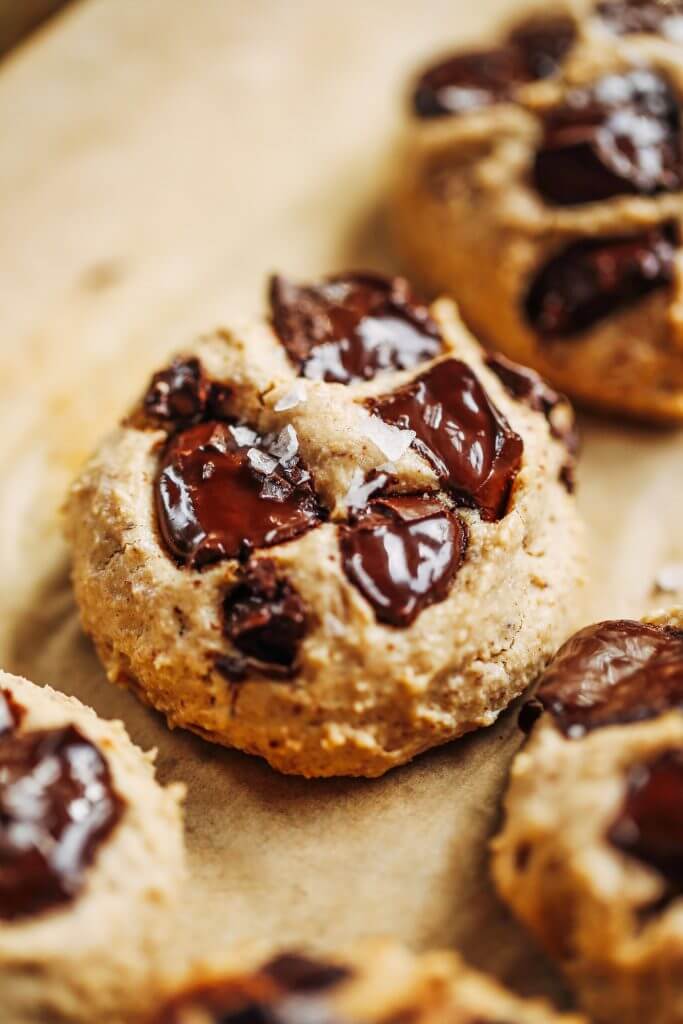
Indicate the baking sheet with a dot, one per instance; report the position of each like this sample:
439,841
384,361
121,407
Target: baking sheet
158,159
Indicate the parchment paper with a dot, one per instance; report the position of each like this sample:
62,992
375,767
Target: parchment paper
158,158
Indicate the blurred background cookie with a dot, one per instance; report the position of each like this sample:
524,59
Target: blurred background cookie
541,184
335,538
91,860
377,980
591,853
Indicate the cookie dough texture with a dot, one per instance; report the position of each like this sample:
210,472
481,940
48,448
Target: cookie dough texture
366,696
98,956
383,981
468,221
554,865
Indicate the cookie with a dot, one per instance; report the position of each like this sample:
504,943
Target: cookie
591,853
334,538
554,160
378,980
91,858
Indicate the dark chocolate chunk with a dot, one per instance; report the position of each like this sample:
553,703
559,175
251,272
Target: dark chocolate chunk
57,806
460,432
595,277
470,80
653,17
403,553
529,387
622,136
182,395
283,991
544,40
477,78
296,973
11,713
223,490
265,619
353,326
179,393
650,823
613,673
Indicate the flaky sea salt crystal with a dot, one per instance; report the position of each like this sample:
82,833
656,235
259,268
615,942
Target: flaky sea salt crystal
361,490
244,436
391,441
286,444
261,461
295,396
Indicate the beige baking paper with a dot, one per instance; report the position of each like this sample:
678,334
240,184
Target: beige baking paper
158,158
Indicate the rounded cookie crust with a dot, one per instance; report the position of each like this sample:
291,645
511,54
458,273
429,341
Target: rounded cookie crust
376,980
338,689
591,852
582,253
96,954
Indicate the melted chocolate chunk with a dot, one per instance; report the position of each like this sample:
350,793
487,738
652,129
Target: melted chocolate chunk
223,490
11,713
353,326
595,277
628,17
613,673
620,137
296,973
403,553
544,40
529,387
182,395
650,824
57,806
460,432
466,81
265,619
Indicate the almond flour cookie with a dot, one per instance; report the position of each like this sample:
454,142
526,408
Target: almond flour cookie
591,853
376,981
334,539
91,859
554,160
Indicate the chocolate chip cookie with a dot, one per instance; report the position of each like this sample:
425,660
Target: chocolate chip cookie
542,186
91,858
591,853
376,981
336,538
